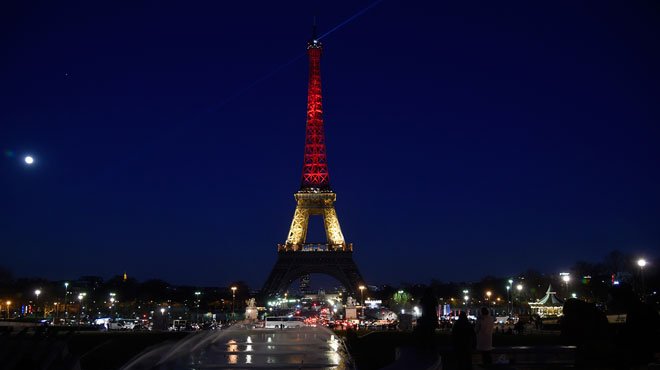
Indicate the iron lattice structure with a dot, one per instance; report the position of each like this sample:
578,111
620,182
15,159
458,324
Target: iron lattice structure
315,165
297,258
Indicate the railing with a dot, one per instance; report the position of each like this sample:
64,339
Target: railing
315,247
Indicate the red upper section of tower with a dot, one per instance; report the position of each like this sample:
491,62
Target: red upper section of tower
315,166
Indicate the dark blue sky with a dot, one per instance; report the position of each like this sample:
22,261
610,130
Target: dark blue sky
464,138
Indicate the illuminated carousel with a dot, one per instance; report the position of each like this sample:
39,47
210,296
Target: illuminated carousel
548,306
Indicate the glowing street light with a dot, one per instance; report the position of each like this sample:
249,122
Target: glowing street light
37,292
197,294
112,303
488,294
233,298
8,304
519,287
362,288
566,277
80,299
508,297
29,160
66,292
641,263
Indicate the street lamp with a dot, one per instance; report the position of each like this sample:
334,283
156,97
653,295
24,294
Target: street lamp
80,314
641,263
197,294
465,298
566,277
508,288
66,292
519,288
508,298
37,292
488,294
362,288
233,299
8,303
112,304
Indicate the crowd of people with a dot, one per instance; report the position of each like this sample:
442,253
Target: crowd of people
598,344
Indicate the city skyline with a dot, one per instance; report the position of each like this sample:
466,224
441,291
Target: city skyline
449,161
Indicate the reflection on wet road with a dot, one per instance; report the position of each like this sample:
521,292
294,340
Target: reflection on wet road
303,348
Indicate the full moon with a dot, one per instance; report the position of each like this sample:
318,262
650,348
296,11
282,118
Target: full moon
29,160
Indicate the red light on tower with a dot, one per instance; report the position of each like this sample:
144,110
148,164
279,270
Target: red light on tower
315,166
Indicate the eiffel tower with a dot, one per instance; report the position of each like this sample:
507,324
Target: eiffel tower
295,257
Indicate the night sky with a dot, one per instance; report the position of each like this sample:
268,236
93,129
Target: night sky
464,138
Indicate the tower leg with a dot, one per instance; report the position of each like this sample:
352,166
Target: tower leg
332,228
298,230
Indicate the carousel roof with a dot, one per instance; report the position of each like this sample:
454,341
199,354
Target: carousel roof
550,299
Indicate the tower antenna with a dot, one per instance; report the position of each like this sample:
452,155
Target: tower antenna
314,27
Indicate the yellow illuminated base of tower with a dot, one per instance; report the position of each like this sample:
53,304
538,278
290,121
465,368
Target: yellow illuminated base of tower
309,204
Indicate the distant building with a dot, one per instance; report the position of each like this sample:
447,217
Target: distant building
303,286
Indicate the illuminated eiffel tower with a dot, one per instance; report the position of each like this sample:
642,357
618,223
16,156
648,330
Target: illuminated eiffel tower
295,257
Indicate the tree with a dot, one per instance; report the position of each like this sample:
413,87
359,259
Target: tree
615,262
400,300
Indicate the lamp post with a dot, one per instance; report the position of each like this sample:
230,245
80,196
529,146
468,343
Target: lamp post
197,294
509,293
80,314
641,263
37,292
508,298
519,288
233,299
488,294
465,299
8,303
566,279
112,304
66,293
362,288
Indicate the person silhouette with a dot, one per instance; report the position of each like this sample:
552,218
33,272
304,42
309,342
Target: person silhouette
639,338
586,327
484,331
427,324
463,339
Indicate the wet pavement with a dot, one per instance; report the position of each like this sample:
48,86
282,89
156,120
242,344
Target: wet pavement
235,348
